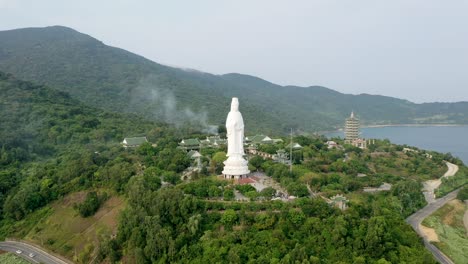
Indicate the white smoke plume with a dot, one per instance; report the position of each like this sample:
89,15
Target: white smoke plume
162,104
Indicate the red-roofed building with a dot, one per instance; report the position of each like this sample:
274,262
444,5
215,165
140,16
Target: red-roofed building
245,181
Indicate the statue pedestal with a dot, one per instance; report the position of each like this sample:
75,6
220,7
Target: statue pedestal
235,167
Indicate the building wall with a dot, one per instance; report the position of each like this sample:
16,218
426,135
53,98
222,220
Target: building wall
352,128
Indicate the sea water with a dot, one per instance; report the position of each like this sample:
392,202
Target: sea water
453,139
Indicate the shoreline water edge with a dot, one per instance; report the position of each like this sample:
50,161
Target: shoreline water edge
395,125
441,138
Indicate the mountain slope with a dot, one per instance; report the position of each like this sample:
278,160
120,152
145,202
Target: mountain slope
55,148
38,121
52,144
117,80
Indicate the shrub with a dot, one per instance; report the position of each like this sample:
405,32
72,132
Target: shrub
91,204
463,193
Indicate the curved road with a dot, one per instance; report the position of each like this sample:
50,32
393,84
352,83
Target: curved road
452,170
40,255
415,221
431,185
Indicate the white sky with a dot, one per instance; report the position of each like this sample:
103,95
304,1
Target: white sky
411,49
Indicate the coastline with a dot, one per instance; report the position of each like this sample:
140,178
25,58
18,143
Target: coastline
396,125
414,125
443,138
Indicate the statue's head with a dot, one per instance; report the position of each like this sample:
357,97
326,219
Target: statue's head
234,104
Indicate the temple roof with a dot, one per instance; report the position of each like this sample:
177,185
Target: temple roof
193,154
190,142
133,141
294,146
260,139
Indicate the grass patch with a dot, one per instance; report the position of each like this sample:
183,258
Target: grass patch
19,229
460,179
10,258
60,228
448,224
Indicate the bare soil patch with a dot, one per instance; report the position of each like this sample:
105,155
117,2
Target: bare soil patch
73,198
430,233
109,211
456,207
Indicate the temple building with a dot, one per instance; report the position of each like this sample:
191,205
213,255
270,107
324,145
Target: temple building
213,141
294,146
261,140
190,144
352,131
133,142
281,156
195,155
352,127
339,201
332,144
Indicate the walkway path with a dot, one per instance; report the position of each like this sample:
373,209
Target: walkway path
264,181
430,186
384,187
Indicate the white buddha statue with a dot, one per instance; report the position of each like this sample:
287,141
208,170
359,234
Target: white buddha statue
235,130
235,166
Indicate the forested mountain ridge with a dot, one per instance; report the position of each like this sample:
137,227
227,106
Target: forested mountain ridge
118,80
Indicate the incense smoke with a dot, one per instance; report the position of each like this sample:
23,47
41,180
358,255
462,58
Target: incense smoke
161,104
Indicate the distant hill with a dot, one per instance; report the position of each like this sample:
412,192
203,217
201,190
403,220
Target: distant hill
117,80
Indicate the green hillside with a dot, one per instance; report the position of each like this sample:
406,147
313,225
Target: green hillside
51,144
59,156
39,122
118,80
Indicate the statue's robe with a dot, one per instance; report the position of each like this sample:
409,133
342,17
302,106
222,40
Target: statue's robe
235,133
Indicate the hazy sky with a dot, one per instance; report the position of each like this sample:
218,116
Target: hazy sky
412,49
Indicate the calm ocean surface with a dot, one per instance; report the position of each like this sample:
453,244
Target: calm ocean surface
453,139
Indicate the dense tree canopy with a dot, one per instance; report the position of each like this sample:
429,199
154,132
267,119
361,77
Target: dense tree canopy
52,145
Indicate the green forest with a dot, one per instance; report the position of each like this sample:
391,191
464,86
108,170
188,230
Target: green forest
53,145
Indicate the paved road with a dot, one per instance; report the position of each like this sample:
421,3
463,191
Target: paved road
239,196
40,255
415,221
452,170
431,185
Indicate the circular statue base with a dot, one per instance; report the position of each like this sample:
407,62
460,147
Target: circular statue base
235,168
